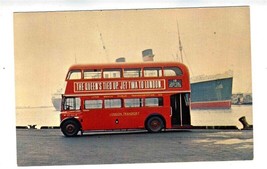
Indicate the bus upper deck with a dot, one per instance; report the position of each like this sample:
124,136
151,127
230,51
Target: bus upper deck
124,77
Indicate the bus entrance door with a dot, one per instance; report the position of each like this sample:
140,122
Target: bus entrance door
180,109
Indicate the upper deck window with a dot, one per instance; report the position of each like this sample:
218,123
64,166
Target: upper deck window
92,74
74,74
152,72
128,73
172,71
112,73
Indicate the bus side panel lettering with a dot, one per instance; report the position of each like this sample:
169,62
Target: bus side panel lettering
119,85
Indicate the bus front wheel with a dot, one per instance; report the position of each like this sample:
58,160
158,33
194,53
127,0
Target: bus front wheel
70,128
154,124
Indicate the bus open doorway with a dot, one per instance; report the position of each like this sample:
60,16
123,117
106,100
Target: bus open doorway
180,110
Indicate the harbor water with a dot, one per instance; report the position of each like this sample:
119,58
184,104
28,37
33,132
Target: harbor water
210,117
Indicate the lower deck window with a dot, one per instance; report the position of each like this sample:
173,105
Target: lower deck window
133,102
151,102
112,103
93,104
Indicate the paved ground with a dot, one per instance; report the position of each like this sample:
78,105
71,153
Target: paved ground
50,147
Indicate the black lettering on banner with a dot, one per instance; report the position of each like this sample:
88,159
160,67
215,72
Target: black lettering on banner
123,85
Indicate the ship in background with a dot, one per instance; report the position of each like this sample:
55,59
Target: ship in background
207,92
56,100
212,92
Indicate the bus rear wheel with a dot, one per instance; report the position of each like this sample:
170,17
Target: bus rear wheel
70,128
154,124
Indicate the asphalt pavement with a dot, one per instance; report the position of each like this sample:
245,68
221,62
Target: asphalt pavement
47,147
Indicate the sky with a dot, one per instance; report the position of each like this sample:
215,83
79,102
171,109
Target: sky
46,44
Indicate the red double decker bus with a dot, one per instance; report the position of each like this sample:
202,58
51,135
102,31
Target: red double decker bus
150,95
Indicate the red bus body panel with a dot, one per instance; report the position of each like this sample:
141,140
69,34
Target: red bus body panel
139,87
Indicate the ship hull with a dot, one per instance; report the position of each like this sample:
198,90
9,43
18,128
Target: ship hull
57,103
212,94
211,105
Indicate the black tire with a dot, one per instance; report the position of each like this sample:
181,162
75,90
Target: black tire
70,128
154,124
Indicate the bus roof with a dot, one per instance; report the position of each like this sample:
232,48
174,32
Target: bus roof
126,65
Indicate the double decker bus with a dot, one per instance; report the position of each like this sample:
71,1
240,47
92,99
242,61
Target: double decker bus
150,95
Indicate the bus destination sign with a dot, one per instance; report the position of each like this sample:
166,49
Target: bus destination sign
119,85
